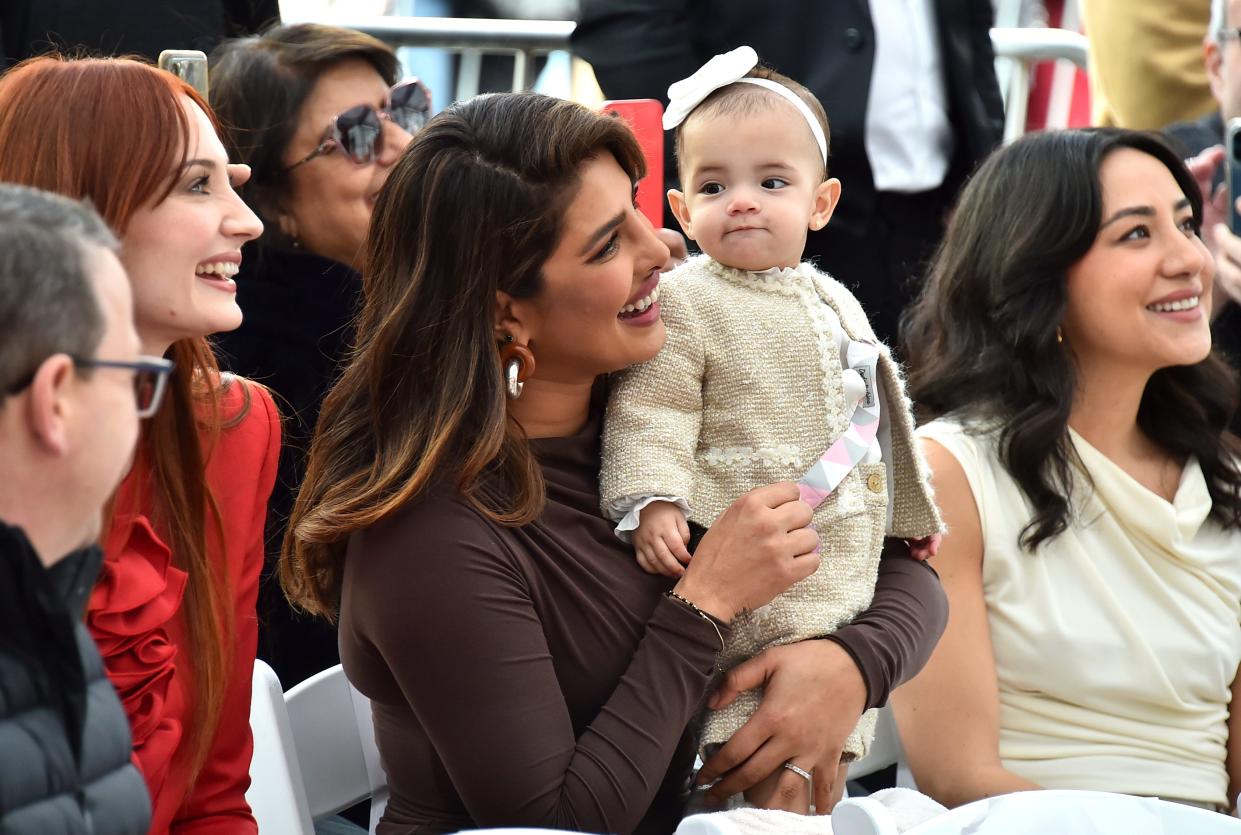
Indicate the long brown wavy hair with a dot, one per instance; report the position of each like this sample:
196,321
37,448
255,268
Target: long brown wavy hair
113,131
474,206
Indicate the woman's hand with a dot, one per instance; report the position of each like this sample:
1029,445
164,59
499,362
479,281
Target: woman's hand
758,547
813,697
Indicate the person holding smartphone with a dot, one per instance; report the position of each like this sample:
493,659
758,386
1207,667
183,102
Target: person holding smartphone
1202,141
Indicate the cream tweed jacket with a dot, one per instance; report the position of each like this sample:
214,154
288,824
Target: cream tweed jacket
748,391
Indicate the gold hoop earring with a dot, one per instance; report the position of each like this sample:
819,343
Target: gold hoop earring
1059,335
518,364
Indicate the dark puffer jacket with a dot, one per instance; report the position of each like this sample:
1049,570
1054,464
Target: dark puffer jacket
64,741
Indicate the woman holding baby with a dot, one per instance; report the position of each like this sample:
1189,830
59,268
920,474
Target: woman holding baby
523,668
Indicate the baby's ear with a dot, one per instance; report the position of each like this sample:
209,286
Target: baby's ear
680,208
826,196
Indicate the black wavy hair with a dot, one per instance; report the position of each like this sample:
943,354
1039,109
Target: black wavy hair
982,337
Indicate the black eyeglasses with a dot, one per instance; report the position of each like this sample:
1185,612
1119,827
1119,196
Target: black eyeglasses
150,379
356,131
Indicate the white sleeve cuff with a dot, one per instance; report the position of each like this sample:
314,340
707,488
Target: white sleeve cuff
629,510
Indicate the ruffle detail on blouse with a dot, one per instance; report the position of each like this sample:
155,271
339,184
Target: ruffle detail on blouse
138,593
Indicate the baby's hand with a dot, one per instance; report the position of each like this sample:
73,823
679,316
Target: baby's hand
926,547
661,538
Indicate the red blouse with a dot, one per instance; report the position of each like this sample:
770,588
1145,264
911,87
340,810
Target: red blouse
133,616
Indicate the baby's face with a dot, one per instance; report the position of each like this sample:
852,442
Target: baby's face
752,186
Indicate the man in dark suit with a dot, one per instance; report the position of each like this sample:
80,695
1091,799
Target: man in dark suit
901,158
126,27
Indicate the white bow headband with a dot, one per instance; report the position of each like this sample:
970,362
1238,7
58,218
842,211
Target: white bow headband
722,70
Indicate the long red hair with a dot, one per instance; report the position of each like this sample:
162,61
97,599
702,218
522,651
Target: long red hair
113,131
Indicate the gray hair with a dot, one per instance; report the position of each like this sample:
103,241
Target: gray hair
1219,20
48,303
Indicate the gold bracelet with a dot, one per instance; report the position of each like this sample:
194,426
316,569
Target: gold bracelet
700,613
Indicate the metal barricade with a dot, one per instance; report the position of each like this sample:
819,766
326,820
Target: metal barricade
1016,50
523,39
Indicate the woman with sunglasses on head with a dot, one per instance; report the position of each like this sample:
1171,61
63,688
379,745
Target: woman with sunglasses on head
173,611
314,112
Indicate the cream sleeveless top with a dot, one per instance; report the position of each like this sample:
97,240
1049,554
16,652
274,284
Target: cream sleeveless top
1116,642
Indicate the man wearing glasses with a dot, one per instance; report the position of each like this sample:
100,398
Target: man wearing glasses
74,387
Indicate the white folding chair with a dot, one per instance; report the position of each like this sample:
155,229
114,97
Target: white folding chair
334,736
1016,50
277,795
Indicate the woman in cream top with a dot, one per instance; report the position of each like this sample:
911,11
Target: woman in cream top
1115,645
1093,560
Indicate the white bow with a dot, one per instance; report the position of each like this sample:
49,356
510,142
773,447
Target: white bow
720,71
725,69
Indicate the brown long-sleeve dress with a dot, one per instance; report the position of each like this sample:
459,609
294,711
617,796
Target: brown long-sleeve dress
536,676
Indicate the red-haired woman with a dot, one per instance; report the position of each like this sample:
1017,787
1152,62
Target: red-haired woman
173,611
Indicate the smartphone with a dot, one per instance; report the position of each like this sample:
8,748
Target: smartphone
1232,172
190,65
645,118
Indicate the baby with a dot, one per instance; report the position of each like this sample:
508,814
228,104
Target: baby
771,372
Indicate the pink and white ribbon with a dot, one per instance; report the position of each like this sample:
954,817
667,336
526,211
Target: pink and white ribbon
850,448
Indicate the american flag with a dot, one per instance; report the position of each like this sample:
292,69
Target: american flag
1059,90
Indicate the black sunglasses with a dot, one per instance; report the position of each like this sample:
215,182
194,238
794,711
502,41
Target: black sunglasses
150,378
356,131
